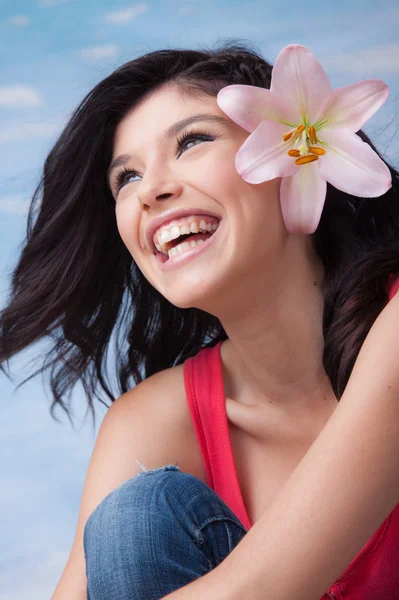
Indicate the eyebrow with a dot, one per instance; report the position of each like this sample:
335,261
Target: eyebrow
169,133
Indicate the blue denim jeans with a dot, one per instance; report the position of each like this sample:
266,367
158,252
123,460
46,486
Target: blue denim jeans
154,534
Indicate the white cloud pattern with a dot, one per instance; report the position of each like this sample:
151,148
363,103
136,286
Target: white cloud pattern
127,14
19,95
19,20
98,52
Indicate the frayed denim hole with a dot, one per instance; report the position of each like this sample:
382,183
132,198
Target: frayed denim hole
145,471
199,538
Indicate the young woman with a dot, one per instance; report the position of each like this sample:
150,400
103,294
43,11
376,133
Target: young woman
267,465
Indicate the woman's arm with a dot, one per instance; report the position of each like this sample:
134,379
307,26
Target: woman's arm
337,497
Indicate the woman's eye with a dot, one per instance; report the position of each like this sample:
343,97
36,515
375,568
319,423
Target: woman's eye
122,178
191,138
129,174
188,142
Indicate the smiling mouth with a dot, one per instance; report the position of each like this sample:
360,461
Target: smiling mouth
191,237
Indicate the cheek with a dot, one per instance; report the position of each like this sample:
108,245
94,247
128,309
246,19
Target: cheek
223,178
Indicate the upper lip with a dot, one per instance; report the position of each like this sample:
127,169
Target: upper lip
171,215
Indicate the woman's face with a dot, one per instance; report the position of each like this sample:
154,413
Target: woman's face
201,174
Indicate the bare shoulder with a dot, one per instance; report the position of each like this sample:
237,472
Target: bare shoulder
167,419
150,423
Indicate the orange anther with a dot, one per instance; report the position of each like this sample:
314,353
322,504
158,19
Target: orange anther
306,159
315,150
293,153
312,135
287,136
300,128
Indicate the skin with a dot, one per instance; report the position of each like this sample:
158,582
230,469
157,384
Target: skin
265,285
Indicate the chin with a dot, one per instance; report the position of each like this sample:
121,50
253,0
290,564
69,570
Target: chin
204,298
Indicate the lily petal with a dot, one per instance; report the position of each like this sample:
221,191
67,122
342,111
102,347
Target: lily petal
352,166
351,106
301,83
263,155
248,105
302,199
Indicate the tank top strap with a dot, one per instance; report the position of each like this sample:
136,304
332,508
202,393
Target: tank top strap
203,378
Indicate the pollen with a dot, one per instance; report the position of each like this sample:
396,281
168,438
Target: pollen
303,160
312,135
300,128
316,150
287,136
293,153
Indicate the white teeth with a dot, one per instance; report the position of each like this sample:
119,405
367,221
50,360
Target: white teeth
166,236
175,232
172,234
183,247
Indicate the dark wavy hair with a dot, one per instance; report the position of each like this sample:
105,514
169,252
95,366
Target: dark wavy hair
76,282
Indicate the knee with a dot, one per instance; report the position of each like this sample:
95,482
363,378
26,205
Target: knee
122,534
119,529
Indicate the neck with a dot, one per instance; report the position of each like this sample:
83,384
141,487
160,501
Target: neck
275,343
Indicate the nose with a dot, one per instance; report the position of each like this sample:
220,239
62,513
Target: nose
154,188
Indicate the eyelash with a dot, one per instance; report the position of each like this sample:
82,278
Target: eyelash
185,137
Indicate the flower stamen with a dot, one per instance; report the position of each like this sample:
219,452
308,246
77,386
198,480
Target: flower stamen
295,133
312,135
303,138
316,150
303,160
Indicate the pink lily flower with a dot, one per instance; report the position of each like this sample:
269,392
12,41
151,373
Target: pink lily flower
305,132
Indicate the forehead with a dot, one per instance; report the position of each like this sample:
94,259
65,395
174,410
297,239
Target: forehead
156,113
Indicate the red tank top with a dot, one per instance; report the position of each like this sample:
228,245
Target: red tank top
374,573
